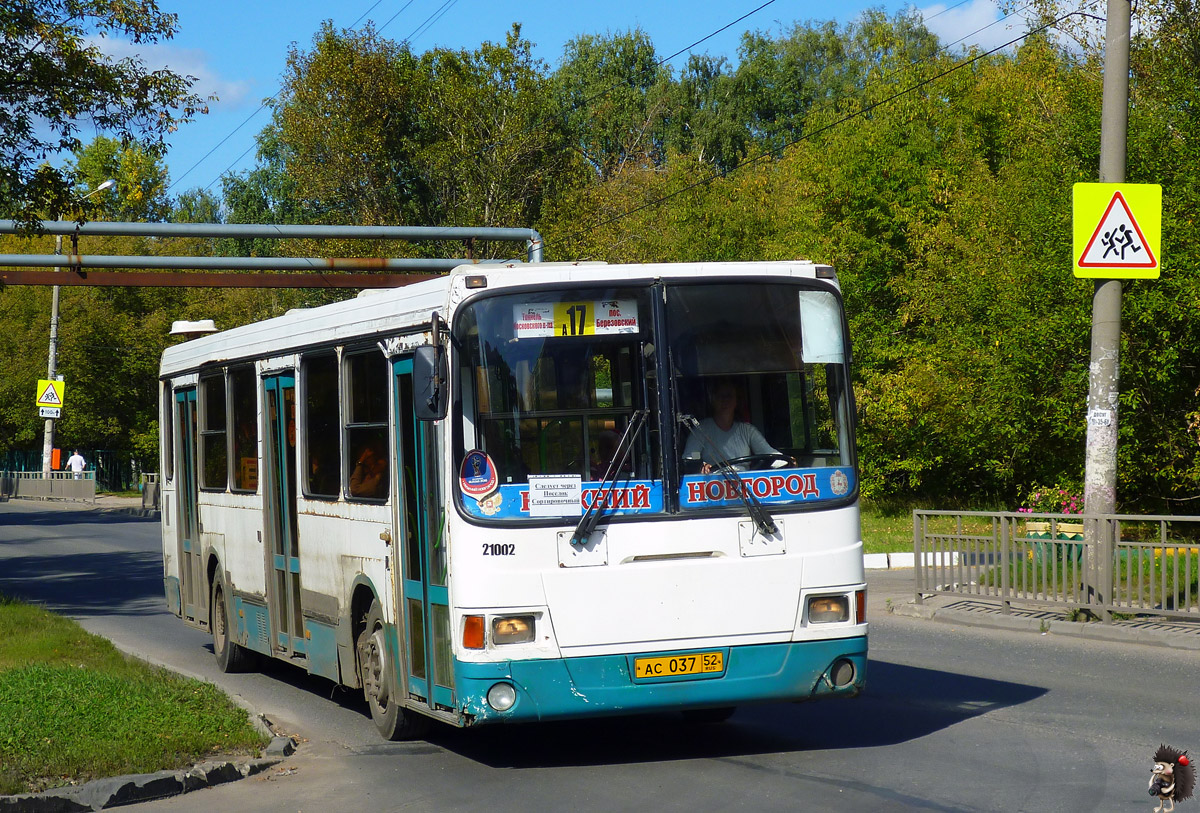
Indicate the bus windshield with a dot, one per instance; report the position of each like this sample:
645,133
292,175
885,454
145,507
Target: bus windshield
549,381
760,381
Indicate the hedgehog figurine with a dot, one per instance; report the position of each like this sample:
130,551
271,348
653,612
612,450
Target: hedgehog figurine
1172,779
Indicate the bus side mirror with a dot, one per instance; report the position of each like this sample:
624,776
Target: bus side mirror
429,383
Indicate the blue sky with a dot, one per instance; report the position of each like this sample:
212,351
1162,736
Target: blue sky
237,50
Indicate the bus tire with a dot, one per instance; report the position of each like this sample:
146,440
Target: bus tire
375,662
231,656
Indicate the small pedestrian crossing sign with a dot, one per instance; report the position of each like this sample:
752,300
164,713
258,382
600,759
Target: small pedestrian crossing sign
1117,230
51,393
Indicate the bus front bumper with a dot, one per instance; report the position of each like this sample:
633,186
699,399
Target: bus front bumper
605,685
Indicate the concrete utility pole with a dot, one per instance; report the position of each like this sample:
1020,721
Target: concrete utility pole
1103,387
1100,467
48,435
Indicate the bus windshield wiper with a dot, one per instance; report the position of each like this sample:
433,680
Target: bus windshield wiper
587,523
762,519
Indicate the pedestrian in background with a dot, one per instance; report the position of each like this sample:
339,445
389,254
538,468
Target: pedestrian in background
76,463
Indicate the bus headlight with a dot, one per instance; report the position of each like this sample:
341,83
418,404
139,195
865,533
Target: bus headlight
512,629
502,696
828,609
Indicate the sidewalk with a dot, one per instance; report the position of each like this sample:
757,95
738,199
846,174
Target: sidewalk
893,591
124,505
109,503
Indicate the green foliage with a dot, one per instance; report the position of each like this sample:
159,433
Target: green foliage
53,80
706,114
141,190
614,96
492,145
346,118
940,192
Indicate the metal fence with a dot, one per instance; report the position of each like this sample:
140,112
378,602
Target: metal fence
1105,564
60,485
113,470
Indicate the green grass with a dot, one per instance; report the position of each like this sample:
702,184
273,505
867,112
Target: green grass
886,531
72,708
889,528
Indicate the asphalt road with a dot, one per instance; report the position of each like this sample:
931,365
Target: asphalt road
954,719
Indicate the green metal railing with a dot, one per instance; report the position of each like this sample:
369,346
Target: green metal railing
1111,563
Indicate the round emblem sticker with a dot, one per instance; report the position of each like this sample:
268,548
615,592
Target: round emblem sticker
477,476
839,483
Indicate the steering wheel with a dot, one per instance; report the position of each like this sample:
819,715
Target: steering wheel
760,461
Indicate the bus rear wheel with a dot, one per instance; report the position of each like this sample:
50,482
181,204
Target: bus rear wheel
231,656
392,720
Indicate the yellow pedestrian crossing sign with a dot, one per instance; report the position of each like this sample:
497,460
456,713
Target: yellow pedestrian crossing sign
1117,230
51,393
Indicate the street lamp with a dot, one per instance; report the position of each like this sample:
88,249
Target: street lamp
48,438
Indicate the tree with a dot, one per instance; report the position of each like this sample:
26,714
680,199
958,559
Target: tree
196,206
492,146
614,96
1160,350
141,190
52,81
781,80
369,133
707,115
346,126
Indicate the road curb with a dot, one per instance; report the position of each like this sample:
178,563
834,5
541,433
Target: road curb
902,561
100,794
147,513
1044,624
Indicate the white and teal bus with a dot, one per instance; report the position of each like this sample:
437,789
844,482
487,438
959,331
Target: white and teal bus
514,494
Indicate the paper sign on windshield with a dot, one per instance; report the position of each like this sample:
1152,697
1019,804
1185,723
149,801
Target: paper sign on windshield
598,318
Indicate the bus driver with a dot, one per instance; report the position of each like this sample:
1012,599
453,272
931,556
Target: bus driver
733,438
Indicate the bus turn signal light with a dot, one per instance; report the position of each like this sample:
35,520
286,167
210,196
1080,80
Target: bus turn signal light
472,632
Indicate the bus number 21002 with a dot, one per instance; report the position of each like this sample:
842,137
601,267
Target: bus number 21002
499,549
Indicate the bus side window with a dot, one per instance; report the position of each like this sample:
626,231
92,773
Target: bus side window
322,471
245,429
214,456
366,424
168,432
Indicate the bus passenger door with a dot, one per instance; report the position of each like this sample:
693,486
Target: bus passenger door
424,597
193,595
280,493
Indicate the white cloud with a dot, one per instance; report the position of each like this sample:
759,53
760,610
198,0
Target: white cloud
186,62
977,23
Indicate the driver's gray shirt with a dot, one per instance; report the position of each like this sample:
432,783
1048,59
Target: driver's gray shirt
742,440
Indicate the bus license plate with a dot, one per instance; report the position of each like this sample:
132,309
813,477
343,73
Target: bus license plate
697,663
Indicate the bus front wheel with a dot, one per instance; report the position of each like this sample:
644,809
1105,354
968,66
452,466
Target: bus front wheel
392,720
231,657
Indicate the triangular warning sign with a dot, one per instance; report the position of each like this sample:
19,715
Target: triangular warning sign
49,397
1118,241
